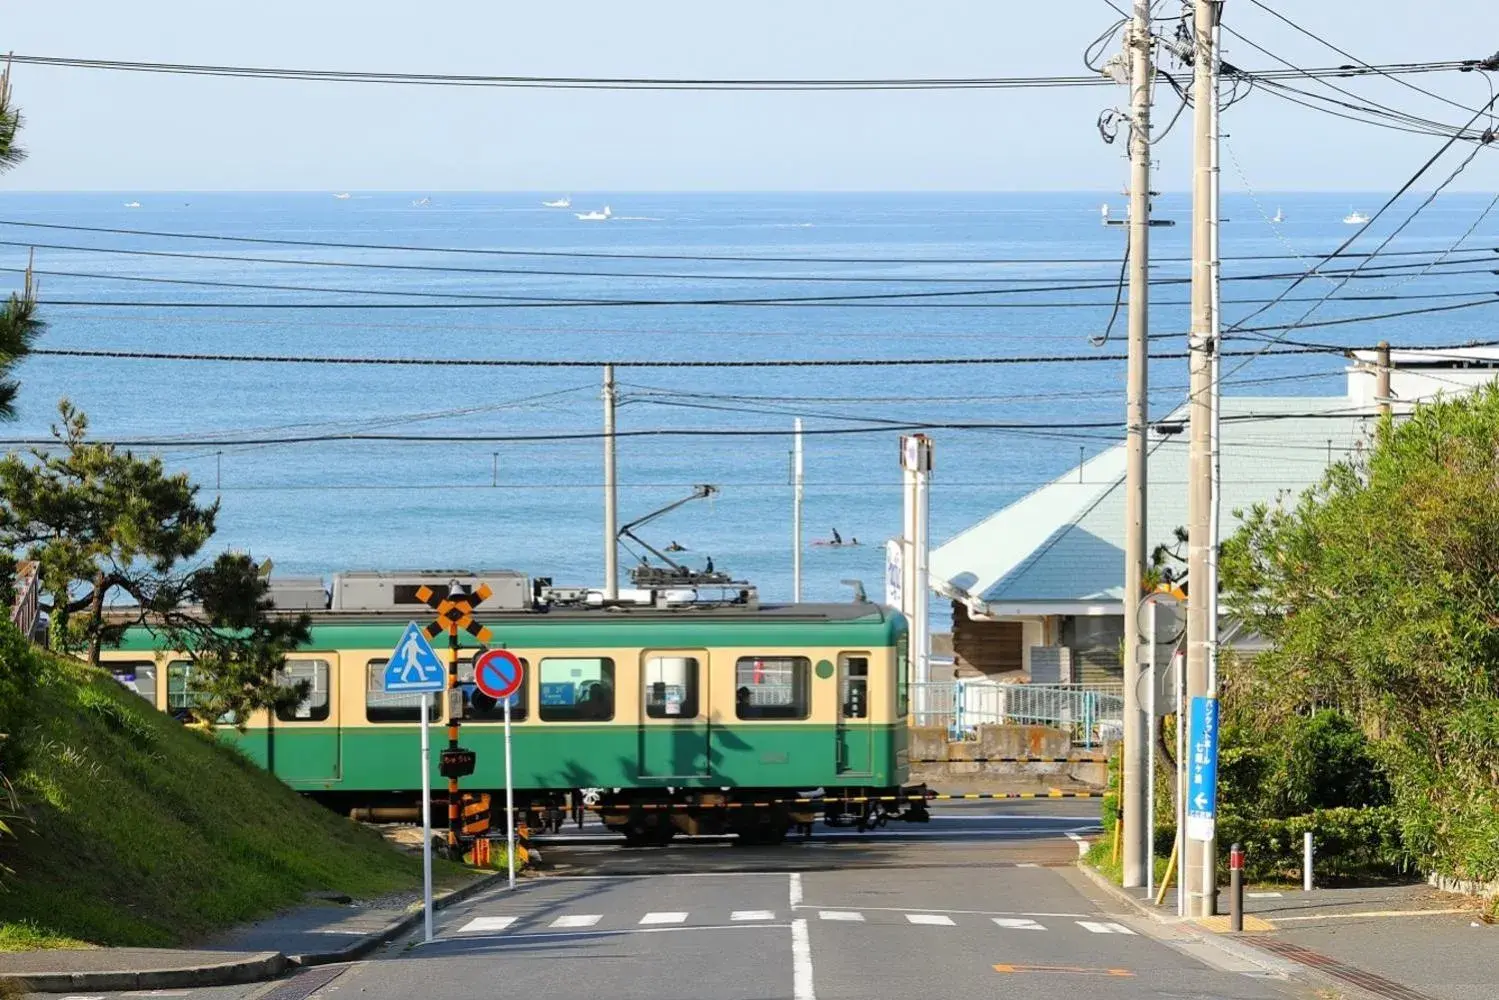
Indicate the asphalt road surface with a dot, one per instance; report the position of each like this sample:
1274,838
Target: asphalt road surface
983,902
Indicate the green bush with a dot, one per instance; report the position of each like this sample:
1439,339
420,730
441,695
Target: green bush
1347,843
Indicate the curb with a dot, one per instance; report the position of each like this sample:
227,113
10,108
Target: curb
413,917
1223,942
256,968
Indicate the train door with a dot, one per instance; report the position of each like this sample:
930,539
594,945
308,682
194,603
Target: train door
302,742
673,728
853,742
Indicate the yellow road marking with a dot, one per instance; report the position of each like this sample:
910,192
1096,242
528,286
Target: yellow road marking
1066,969
1251,923
1377,913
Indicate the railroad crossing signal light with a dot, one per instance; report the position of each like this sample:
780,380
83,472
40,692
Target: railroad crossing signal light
456,611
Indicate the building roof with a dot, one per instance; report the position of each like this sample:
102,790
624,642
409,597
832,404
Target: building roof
1059,549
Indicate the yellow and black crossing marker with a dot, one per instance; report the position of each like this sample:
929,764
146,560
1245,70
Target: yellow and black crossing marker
453,612
475,814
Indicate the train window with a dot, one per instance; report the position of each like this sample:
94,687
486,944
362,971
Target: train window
315,707
671,687
480,707
772,687
382,706
138,676
853,686
181,698
902,682
577,689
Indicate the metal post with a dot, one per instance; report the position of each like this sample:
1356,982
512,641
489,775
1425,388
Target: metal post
509,799
454,805
1132,804
796,514
1382,377
611,494
1200,863
1236,888
1306,862
1181,783
426,820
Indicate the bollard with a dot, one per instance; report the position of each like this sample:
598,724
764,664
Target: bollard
1306,863
1236,888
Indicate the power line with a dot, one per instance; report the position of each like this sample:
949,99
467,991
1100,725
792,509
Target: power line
575,254
646,83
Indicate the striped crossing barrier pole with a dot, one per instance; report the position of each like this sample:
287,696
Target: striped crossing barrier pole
1009,760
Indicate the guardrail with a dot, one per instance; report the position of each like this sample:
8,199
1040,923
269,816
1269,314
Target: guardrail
1092,714
27,609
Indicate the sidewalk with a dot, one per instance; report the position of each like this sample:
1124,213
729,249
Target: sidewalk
317,933
1395,942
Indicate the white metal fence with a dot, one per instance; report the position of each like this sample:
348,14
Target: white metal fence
1091,713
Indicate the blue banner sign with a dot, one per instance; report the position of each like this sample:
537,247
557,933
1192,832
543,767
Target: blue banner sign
1202,770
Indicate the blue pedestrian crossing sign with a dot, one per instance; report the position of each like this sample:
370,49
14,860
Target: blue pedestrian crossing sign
414,665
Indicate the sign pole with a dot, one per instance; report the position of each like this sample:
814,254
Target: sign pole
509,800
1149,671
426,821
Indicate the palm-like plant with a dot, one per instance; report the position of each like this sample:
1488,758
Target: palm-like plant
19,326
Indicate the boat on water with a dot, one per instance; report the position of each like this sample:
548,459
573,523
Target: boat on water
132,204
595,216
342,197
1355,218
563,202
1279,215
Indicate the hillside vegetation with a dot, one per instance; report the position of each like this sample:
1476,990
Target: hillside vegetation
133,830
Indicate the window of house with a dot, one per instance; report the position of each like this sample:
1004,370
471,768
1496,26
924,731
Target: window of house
576,689
383,706
671,687
137,675
180,695
772,687
480,707
315,707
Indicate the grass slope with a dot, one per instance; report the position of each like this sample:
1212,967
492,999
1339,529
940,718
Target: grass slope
142,832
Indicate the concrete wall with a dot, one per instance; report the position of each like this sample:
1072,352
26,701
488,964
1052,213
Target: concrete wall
952,774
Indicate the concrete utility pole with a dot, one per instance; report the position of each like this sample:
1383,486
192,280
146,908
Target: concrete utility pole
1199,873
611,494
1382,377
796,514
1133,802
916,470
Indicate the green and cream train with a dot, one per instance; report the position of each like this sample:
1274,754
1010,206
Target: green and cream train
664,717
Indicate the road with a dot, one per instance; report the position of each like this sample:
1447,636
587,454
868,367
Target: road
983,902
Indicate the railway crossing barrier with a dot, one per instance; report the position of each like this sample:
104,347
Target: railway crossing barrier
579,809
475,814
1009,760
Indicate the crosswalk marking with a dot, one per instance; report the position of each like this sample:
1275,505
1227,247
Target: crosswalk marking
1103,927
840,915
752,915
481,924
930,919
1018,924
675,917
578,920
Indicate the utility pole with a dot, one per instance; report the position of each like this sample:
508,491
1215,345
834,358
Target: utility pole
1200,867
1133,803
611,494
796,514
1382,377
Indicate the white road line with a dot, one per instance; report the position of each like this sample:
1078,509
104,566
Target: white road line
553,936
1027,864
577,920
801,962
673,917
975,913
796,890
1103,927
930,919
840,915
752,915
1018,924
481,924
1263,895
1082,845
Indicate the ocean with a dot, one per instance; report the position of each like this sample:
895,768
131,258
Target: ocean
316,507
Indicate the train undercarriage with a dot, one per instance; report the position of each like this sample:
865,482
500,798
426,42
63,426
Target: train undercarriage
647,817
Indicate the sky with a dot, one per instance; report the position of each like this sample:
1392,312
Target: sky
91,130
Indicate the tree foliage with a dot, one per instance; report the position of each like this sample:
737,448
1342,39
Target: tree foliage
1378,591
97,520
19,326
